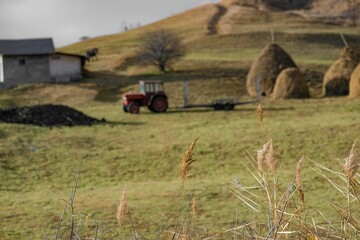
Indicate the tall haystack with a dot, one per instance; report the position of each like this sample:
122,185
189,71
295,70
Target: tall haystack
336,79
349,52
355,83
271,61
290,84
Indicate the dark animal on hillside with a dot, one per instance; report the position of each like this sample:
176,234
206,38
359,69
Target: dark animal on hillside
91,54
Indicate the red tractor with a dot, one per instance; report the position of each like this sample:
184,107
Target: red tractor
151,95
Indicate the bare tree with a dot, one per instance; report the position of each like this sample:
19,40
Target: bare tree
160,48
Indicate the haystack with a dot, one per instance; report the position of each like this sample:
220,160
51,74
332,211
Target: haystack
336,79
271,61
349,52
355,83
290,84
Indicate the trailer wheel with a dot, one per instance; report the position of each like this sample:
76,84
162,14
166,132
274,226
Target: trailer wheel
229,107
133,108
159,104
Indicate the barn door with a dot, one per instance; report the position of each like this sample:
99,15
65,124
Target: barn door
1,70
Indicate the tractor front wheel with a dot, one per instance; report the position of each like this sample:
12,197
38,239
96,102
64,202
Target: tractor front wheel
125,108
159,105
133,107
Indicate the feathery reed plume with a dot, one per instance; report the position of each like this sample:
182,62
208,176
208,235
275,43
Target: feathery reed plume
121,208
193,206
187,161
185,233
351,164
270,157
261,157
298,180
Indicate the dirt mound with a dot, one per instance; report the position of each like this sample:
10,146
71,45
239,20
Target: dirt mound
336,79
355,83
290,84
271,61
46,115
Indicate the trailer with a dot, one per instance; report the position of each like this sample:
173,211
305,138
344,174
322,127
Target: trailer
225,104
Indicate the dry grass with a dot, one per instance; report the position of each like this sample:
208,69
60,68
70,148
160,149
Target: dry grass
121,208
279,216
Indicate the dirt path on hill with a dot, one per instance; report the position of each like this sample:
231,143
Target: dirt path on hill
213,23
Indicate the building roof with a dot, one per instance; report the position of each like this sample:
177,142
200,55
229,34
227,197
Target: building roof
27,46
70,54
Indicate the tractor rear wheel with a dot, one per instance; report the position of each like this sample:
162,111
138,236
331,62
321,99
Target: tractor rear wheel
133,107
159,105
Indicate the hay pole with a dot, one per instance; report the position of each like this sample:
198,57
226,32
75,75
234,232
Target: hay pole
344,40
272,35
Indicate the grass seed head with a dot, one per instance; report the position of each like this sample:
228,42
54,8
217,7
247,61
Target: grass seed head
187,161
351,164
270,157
185,233
260,113
261,157
121,208
193,206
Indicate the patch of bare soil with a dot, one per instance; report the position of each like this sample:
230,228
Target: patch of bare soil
47,115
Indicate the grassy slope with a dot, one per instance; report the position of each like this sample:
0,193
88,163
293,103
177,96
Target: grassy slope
143,152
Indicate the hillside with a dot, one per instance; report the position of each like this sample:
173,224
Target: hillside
223,39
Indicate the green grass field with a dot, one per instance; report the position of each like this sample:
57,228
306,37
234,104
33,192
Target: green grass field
143,152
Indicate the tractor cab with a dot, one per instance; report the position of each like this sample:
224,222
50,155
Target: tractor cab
151,87
151,94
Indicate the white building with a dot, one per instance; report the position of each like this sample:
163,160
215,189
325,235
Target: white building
33,61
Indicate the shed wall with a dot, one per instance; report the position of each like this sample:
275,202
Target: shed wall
26,69
1,70
65,68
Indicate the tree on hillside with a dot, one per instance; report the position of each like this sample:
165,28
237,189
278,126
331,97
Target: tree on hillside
160,48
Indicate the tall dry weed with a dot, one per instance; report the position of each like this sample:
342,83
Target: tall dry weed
298,180
260,117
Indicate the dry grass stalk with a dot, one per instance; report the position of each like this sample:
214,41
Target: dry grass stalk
187,161
194,206
270,157
260,116
298,180
121,208
87,220
351,164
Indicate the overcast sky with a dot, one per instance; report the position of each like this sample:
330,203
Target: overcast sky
68,20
